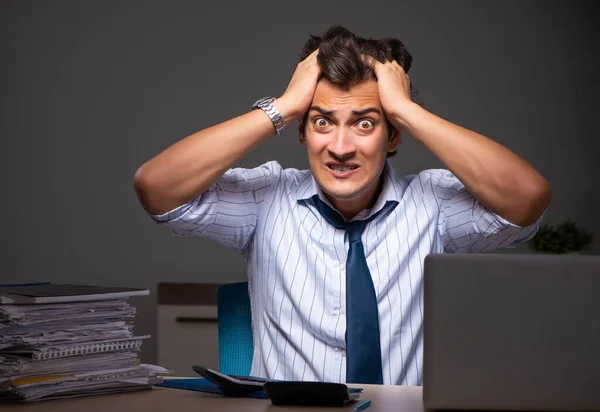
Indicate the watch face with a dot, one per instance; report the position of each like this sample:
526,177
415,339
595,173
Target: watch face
263,101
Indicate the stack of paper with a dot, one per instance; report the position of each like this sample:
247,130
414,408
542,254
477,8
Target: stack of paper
69,340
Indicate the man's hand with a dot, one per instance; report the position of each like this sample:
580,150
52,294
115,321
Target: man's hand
393,85
296,100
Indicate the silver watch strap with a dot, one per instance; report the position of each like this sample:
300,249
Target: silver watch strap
269,108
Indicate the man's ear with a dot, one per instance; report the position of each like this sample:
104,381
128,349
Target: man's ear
301,135
395,139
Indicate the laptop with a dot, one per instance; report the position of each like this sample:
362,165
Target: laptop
511,332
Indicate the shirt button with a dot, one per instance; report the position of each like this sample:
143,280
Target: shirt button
342,311
343,352
342,267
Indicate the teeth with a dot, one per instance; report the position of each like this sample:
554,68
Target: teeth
342,168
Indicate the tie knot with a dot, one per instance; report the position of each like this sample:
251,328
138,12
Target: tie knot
355,230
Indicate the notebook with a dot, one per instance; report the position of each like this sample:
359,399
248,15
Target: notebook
54,293
133,343
34,388
202,385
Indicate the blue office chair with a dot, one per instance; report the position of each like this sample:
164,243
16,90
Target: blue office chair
236,347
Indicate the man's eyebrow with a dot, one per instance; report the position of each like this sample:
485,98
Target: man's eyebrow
365,111
322,111
354,112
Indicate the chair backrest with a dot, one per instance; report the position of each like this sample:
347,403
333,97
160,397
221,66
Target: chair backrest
236,347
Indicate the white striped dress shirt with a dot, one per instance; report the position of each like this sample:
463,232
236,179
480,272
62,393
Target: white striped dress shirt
296,261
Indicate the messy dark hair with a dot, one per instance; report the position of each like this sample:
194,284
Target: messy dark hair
341,62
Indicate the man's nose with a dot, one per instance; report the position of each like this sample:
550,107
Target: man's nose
342,145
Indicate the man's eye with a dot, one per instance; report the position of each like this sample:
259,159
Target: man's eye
366,124
320,122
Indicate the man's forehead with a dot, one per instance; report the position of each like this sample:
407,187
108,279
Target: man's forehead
333,98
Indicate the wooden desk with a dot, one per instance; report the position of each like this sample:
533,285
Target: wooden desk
384,398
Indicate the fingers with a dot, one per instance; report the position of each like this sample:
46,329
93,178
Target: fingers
368,59
376,64
391,67
312,56
311,61
397,66
373,63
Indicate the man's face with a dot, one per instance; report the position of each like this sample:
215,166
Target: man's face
347,141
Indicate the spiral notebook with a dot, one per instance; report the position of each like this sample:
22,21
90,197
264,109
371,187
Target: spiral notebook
133,343
62,351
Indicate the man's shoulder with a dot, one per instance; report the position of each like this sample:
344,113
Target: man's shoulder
272,173
430,184
436,174
429,176
288,174
272,167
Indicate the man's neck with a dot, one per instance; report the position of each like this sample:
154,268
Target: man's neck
351,207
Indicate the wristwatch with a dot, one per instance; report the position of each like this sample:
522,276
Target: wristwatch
266,104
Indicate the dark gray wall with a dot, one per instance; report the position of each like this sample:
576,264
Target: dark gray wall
91,89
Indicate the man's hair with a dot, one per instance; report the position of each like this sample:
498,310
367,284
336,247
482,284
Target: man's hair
341,62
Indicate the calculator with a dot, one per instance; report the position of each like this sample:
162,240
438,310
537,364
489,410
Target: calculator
230,384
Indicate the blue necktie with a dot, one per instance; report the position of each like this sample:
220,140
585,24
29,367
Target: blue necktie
363,348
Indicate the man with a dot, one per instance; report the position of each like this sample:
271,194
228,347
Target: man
335,253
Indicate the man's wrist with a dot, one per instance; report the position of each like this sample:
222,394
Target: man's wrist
266,105
405,116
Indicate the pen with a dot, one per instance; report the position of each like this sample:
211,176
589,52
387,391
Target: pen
362,406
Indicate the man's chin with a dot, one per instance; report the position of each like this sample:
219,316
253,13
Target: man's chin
343,195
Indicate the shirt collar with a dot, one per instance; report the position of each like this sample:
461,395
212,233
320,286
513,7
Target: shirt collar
309,188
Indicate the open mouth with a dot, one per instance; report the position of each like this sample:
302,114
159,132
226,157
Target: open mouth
341,168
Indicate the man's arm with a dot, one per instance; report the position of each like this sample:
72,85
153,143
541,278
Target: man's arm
497,177
186,169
